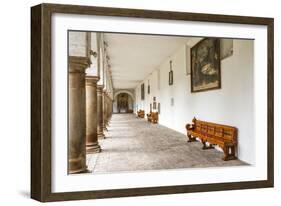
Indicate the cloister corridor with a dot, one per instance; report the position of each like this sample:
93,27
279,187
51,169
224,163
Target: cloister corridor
135,100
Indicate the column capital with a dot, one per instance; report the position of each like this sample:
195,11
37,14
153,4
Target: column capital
106,93
78,64
100,86
91,79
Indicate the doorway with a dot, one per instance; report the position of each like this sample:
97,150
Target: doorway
122,103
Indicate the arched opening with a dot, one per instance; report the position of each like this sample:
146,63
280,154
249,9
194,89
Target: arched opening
123,103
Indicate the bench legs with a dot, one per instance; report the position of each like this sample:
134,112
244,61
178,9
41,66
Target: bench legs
190,138
229,153
206,147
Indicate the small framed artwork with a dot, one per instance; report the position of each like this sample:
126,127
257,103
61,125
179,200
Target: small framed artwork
81,87
142,91
172,101
205,65
154,105
148,88
170,77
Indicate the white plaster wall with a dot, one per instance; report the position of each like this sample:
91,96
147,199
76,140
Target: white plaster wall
101,61
231,105
93,69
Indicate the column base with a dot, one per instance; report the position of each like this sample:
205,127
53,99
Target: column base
77,165
101,135
93,148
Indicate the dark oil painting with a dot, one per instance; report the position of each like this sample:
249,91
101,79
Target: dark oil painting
205,65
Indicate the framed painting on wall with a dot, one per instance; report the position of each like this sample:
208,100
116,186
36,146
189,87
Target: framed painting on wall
154,105
171,78
205,65
142,91
50,25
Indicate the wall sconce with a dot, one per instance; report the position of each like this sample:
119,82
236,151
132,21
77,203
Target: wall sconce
93,53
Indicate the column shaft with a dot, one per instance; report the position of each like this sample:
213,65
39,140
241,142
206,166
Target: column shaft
92,145
77,115
100,111
104,110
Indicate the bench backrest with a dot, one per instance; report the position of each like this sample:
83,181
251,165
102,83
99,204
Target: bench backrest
154,115
218,130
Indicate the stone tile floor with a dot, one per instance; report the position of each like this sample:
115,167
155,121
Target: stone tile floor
133,144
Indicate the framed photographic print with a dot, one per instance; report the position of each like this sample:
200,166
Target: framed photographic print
205,65
86,82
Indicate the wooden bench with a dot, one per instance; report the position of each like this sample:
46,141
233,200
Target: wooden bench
152,117
148,116
140,113
215,134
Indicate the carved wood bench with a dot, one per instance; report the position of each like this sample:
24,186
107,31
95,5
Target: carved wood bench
140,113
148,116
152,117
215,134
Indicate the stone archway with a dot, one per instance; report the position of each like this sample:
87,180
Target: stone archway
123,101
124,91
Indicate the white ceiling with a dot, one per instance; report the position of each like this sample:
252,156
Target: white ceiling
133,57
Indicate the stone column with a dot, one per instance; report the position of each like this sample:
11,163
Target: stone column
109,103
104,110
92,145
77,115
111,108
107,110
100,111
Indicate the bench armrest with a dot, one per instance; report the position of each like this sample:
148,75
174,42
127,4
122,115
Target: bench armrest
189,126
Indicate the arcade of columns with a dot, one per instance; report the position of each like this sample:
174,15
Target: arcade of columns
90,97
